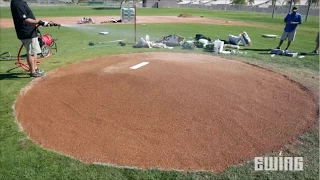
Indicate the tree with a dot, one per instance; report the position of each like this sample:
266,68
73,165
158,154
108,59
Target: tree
251,2
275,2
127,1
121,1
314,3
238,1
294,2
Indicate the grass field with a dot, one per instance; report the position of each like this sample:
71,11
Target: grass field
20,158
261,18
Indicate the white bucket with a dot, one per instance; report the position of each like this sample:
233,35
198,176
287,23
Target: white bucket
218,46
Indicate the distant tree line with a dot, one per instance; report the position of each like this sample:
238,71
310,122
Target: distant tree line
314,3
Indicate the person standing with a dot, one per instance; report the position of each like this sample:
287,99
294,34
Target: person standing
25,25
292,20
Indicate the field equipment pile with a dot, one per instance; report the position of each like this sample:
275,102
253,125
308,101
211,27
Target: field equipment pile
168,41
86,20
200,41
243,38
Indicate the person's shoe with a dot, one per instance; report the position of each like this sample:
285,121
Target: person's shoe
35,75
315,52
39,71
277,47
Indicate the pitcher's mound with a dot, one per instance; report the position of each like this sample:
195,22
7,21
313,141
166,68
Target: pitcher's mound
164,110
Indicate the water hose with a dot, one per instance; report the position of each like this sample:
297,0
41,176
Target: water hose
47,40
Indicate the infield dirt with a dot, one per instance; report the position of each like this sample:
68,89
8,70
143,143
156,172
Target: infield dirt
5,23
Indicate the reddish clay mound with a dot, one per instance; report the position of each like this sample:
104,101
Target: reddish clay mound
181,111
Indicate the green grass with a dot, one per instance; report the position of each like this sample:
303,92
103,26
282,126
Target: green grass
258,18
22,159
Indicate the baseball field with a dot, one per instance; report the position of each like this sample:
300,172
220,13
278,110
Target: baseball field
117,112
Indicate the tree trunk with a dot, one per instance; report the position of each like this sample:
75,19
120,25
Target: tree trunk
309,4
273,7
121,4
290,6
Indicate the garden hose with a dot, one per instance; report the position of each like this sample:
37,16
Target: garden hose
46,41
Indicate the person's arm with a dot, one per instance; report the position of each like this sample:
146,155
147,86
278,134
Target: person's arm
30,21
33,21
286,19
297,22
22,14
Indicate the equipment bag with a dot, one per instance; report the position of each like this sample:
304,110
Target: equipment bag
200,36
209,47
188,45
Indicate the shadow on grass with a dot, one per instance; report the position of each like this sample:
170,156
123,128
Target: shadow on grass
13,75
6,56
9,71
106,8
265,53
23,56
301,53
248,49
8,59
308,54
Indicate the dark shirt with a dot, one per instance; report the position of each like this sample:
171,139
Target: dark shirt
21,11
294,17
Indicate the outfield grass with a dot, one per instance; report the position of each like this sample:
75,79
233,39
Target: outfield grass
311,25
22,159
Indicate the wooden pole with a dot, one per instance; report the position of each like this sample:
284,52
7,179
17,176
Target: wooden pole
135,23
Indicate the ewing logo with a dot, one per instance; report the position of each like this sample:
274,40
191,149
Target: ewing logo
278,163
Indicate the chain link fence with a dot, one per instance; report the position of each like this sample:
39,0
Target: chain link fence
40,2
105,3
284,9
279,9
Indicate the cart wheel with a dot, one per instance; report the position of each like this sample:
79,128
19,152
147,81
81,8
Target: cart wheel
45,50
5,56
